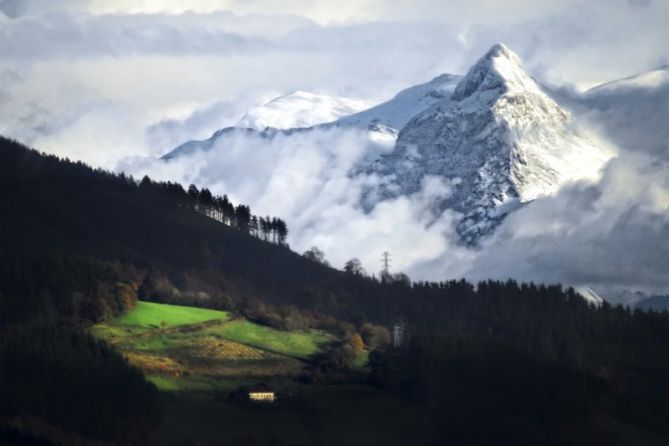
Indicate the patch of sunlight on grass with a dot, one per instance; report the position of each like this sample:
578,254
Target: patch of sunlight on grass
299,344
153,315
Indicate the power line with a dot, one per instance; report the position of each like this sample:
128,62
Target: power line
386,261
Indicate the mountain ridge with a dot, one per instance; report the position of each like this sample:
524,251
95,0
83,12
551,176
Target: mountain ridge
499,139
496,135
300,109
382,121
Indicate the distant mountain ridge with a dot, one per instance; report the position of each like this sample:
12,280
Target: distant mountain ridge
655,303
396,112
632,112
300,109
495,135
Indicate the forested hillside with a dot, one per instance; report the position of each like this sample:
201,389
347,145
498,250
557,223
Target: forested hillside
492,363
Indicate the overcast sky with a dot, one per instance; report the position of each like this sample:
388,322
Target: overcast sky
91,78
118,83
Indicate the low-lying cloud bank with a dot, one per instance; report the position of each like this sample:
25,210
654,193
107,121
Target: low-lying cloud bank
612,235
304,177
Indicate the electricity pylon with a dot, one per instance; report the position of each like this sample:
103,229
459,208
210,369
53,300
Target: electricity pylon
385,261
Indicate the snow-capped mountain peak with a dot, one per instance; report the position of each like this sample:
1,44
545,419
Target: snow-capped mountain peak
300,109
494,135
500,70
499,138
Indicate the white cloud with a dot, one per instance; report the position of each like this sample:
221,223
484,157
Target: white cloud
141,68
466,12
63,59
304,179
611,235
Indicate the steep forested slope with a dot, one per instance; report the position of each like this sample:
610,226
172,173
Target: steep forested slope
57,209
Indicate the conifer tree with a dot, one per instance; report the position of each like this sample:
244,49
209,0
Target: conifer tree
193,196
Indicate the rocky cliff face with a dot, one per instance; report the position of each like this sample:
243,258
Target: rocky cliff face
499,140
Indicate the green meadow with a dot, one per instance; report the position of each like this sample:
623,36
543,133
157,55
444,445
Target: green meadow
153,315
196,349
196,356
297,344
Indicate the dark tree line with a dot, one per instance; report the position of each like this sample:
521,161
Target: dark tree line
509,363
59,384
269,229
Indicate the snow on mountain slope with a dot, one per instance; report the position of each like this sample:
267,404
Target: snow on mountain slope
300,109
385,120
396,112
499,139
633,112
303,110
590,295
651,79
190,147
294,112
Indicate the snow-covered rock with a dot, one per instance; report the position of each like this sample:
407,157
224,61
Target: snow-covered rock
300,109
303,110
385,120
499,139
406,104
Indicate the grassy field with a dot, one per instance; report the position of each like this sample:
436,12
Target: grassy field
197,349
297,344
153,315
200,355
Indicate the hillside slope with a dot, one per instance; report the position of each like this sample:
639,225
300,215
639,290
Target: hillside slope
56,208
78,246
